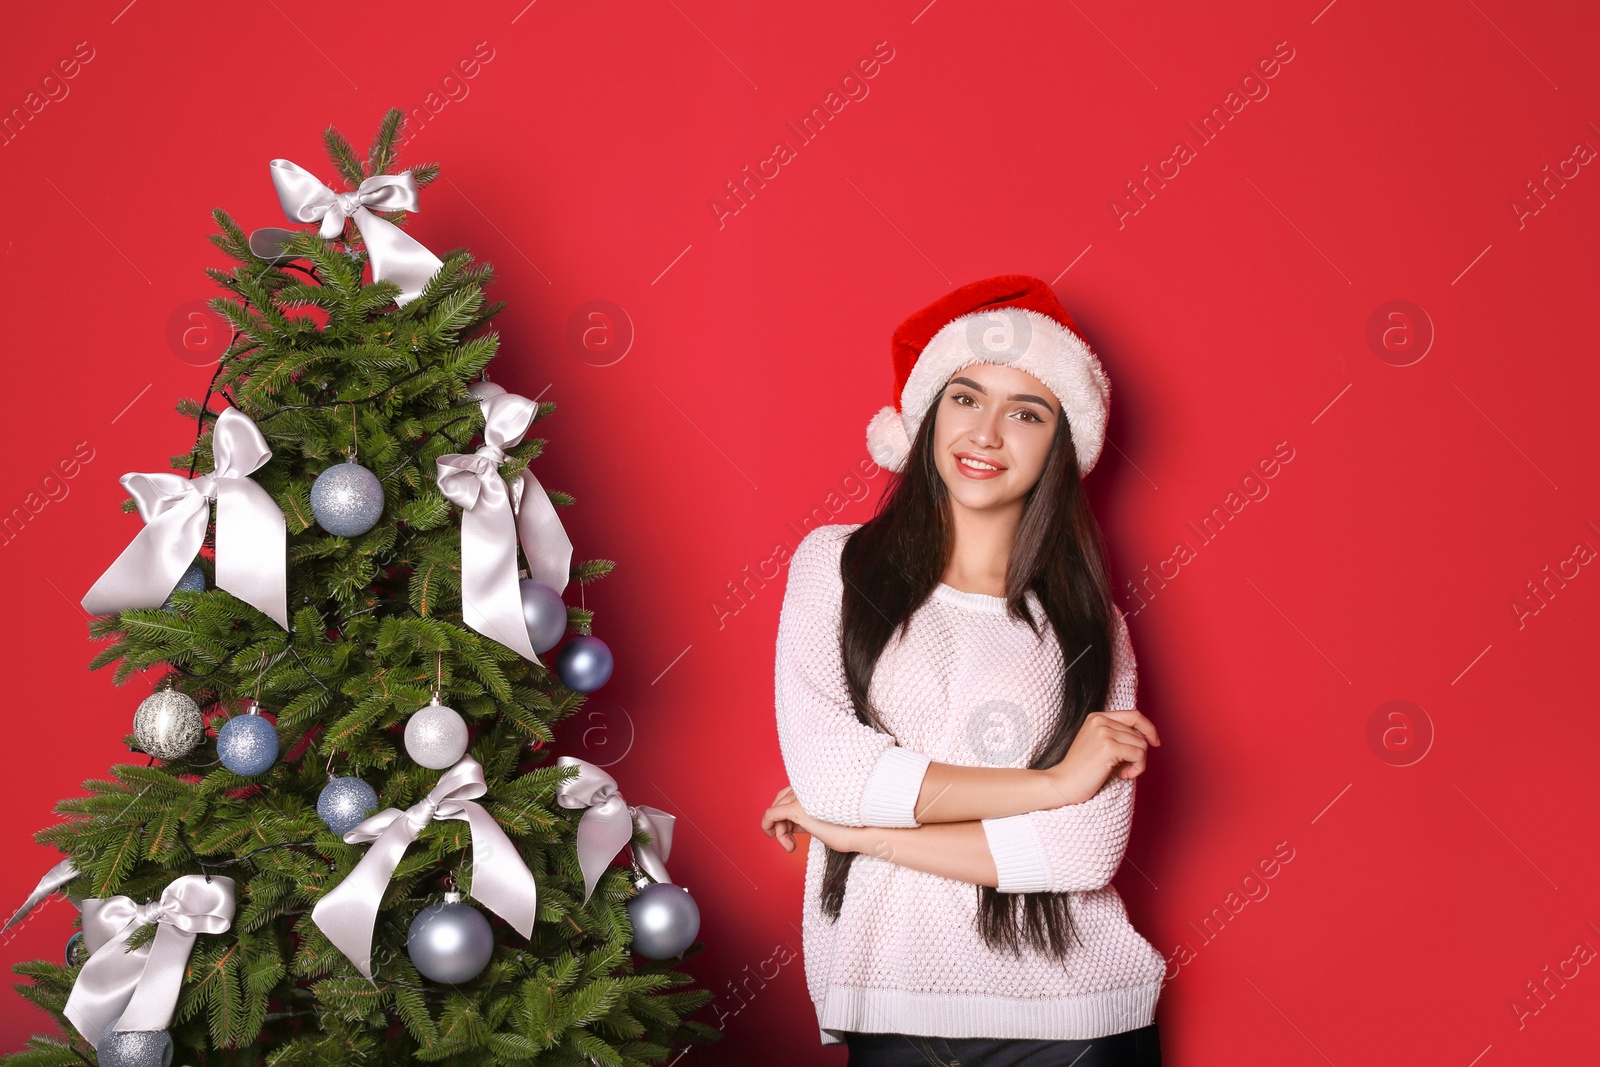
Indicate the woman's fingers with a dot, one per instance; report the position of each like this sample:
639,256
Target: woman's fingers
1115,737
1128,753
780,830
778,826
1125,734
777,822
1127,747
1132,717
776,814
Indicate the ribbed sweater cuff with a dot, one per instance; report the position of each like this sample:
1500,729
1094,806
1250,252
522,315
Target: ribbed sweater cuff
892,789
1018,853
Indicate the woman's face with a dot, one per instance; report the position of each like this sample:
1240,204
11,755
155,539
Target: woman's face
992,433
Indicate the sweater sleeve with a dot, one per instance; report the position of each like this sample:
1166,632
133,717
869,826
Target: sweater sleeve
842,770
1074,847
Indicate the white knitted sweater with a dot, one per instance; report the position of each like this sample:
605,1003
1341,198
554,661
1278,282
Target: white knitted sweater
965,684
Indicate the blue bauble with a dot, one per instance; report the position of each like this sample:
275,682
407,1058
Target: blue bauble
543,612
193,581
247,744
450,942
584,663
347,499
345,803
665,920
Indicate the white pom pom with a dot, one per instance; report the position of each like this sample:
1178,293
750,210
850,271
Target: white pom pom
887,439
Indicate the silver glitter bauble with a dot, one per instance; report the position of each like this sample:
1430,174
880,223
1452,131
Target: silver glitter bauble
450,942
584,663
168,724
135,1048
247,744
347,499
544,613
345,803
485,390
665,920
436,736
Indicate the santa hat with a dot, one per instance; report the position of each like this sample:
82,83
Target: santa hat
1012,319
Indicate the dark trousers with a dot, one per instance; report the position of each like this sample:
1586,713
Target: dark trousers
1131,1048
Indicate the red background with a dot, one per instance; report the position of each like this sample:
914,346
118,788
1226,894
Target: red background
1232,310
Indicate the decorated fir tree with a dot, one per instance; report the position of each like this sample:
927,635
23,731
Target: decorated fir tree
351,841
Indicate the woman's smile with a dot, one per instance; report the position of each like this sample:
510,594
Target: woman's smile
975,466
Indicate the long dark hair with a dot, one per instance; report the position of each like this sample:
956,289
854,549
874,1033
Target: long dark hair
892,564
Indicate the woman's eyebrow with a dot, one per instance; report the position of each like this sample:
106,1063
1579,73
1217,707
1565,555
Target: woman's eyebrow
1014,396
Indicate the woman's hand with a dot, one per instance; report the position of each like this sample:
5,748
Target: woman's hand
1106,740
786,818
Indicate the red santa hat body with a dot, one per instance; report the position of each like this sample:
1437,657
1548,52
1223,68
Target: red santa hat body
1012,319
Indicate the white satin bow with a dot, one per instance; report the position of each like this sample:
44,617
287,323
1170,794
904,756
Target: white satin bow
395,256
491,602
501,880
138,990
251,533
609,822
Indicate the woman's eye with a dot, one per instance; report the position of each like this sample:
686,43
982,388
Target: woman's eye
1031,415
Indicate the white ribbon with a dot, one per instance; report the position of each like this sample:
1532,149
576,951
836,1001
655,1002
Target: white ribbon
395,256
609,822
501,880
251,536
491,602
138,990
58,877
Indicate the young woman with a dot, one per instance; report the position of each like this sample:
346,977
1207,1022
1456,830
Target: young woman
971,785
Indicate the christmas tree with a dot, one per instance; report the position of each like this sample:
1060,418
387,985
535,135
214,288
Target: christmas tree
350,735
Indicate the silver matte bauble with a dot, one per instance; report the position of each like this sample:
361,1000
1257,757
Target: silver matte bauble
347,499
168,724
248,744
584,663
485,390
135,1048
450,942
544,613
665,920
436,736
345,803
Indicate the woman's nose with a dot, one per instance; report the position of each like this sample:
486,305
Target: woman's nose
986,431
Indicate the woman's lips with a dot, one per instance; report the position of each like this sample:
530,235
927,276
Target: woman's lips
978,473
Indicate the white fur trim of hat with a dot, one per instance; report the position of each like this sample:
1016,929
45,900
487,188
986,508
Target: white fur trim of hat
1017,337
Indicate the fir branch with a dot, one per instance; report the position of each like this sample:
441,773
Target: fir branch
380,157
343,157
336,403
423,444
